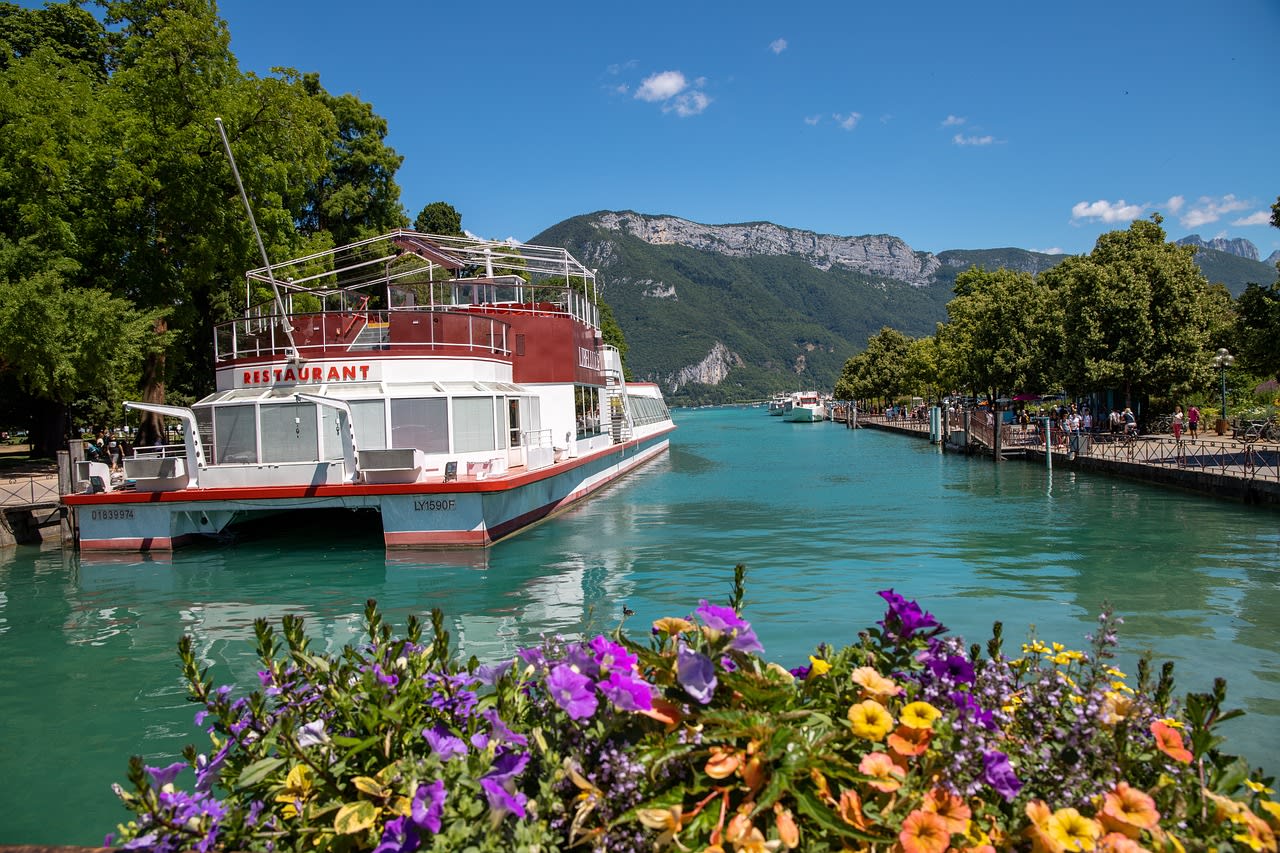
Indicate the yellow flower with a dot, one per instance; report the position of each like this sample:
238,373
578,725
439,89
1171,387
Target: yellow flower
1073,830
870,720
1121,687
919,715
1172,723
1257,787
672,625
667,820
817,666
1115,673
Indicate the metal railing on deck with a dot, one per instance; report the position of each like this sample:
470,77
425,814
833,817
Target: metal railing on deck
20,491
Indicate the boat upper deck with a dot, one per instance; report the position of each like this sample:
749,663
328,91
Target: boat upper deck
405,292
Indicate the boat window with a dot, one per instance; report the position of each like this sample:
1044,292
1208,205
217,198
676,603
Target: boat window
235,434
513,420
330,433
420,422
587,410
370,421
473,424
289,432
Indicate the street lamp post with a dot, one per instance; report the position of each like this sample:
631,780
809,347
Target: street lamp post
1222,361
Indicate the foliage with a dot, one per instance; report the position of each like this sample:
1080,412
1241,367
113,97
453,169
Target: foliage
905,740
1258,329
441,218
880,370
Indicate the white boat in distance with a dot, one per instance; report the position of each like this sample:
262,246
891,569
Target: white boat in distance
805,407
459,387
778,404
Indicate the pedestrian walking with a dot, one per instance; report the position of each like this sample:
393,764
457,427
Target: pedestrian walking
1177,423
1193,421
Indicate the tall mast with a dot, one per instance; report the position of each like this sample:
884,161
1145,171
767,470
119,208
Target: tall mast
275,290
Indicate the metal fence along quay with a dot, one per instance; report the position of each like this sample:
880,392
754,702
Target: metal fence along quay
1224,457
28,489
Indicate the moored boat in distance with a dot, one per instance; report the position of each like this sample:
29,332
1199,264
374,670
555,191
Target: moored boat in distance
805,407
459,387
778,404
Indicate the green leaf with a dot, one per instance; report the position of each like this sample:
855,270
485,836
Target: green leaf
372,787
814,808
258,771
355,817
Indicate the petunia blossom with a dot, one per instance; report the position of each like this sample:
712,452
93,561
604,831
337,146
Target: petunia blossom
950,807
870,720
501,801
398,836
998,773
1128,810
696,674
727,621
610,656
924,832
626,692
443,742
427,807
572,691
885,775
1169,742
874,685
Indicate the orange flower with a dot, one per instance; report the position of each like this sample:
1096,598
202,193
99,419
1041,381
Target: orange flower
665,712
924,832
1118,842
885,775
788,831
874,685
723,763
950,807
1128,810
1169,742
1042,841
907,741
850,809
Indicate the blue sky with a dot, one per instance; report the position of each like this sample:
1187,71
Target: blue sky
950,125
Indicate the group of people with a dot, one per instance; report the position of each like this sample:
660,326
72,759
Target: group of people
108,448
1192,419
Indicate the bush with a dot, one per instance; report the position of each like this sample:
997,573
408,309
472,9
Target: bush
906,740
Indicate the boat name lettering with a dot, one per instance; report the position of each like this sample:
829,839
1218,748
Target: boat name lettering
588,358
333,373
110,514
434,505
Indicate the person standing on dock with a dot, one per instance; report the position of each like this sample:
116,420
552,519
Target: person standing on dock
1193,421
1177,423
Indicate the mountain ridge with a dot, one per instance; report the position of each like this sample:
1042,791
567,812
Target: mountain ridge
716,313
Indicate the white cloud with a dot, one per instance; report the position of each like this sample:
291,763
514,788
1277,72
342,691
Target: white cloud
661,86
1107,211
960,139
1175,203
1207,210
1056,250
619,67
689,104
847,122
621,89
778,45
1261,217
812,120
953,121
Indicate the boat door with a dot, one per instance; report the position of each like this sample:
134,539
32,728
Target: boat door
515,446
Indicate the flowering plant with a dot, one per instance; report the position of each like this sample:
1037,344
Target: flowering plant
906,741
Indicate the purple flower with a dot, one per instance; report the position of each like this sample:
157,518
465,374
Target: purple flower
207,768
489,675
428,806
388,678
255,812
398,836
627,692
727,621
904,618
572,691
611,655
507,765
972,709
312,734
443,742
800,672
165,775
502,801
581,659
999,774
533,656
501,733
696,674
953,668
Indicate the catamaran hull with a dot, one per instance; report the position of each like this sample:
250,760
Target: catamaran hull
435,515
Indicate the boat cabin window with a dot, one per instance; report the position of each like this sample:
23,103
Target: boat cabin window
420,422
370,420
586,400
289,432
473,424
235,433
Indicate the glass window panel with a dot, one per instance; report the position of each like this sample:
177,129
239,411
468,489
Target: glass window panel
235,434
289,432
473,424
370,417
421,423
330,437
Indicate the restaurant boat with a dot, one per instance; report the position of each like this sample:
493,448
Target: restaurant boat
459,387
805,407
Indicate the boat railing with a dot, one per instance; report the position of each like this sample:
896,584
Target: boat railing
319,334
160,451
537,438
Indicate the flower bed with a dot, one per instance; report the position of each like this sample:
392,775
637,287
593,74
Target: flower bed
907,740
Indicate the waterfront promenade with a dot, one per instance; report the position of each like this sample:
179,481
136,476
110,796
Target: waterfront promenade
1212,465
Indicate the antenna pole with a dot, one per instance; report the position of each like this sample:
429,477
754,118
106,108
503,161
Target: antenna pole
248,209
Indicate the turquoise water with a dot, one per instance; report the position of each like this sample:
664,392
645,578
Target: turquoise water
822,516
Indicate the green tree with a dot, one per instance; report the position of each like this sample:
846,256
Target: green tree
65,28
357,196
880,370
1002,335
439,217
1257,329
1139,314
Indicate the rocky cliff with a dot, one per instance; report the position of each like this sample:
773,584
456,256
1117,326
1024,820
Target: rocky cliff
710,371
1237,246
878,254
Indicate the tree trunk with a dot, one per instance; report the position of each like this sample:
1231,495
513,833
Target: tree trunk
48,428
151,427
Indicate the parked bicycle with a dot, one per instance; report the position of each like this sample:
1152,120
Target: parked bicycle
1255,430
